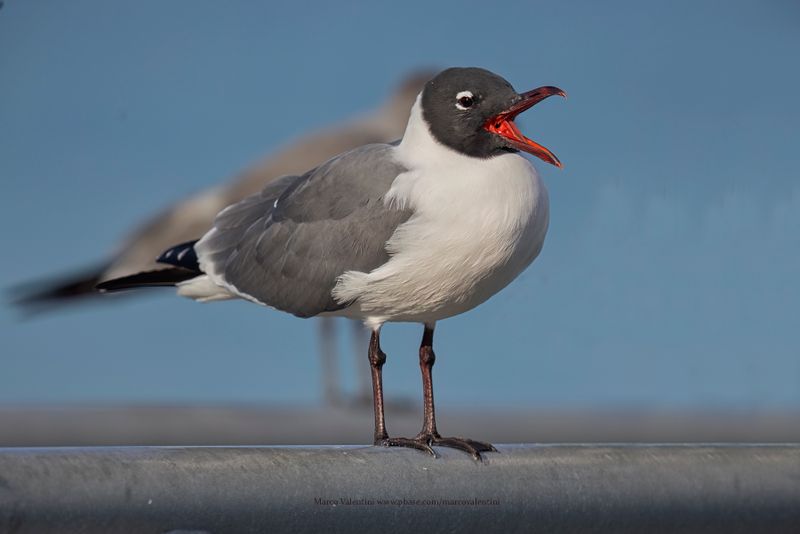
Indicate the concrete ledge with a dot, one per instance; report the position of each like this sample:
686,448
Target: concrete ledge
524,488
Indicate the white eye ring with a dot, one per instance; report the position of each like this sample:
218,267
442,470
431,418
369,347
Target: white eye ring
465,95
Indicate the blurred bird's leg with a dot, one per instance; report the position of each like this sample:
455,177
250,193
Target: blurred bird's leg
330,373
362,396
429,435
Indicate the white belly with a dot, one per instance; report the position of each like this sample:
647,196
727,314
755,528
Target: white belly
474,229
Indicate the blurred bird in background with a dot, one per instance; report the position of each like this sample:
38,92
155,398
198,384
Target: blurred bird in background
194,216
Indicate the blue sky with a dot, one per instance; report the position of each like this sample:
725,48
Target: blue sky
670,273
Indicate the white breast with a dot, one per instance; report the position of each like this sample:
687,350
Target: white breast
477,224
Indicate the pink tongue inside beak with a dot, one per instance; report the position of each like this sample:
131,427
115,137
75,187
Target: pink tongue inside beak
503,125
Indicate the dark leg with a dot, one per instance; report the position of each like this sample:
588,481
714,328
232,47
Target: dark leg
376,360
429,435
426,360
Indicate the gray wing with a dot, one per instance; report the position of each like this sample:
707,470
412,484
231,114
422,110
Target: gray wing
287,246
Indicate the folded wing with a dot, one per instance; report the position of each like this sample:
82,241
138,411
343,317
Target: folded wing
287,246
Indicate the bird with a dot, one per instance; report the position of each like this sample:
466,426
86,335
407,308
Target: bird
418,230
193,216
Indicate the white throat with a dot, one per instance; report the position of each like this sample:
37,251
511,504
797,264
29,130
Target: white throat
439,174
419,149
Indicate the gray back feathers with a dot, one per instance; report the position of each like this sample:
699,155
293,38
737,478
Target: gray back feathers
287,246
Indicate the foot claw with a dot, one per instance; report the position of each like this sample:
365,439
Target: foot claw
424,442
470,446
420,445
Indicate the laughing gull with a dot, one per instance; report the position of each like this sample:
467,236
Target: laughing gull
414,231
194,216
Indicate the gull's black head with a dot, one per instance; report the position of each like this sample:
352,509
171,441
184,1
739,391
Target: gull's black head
472,111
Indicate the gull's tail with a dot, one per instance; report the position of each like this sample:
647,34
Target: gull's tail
185,267
157,278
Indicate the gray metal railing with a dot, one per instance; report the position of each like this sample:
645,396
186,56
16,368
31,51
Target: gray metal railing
79,426
523,488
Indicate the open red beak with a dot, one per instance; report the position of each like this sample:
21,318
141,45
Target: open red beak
503,125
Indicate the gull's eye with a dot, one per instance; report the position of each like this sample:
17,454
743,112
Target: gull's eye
464,100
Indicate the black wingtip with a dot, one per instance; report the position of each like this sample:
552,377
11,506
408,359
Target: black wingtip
157,278
182,255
